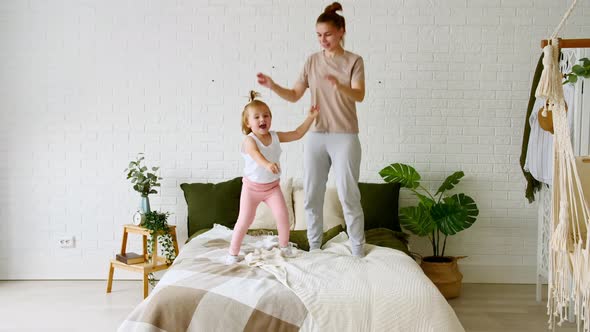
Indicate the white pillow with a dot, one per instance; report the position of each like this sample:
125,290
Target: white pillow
264,218
333,215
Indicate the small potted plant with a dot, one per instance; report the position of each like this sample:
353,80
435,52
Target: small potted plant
143,181
157,223
435,215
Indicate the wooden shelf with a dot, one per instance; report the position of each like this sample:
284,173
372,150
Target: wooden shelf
569,43
158,263
141,267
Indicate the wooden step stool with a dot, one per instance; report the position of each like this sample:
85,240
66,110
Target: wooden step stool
157,264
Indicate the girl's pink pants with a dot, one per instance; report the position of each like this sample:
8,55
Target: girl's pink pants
252,195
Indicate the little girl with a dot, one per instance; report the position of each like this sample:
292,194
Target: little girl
261,151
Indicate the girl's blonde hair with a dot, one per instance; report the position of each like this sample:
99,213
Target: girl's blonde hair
252,102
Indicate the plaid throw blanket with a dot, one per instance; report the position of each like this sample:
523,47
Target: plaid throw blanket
325,291
200,293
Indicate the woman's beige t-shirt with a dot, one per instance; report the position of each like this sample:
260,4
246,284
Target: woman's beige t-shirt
337,110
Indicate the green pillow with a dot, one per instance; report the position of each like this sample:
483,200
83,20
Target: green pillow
197,233
380,203
298,237
212,203
384,237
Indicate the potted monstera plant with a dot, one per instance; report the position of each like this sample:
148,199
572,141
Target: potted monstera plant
436,216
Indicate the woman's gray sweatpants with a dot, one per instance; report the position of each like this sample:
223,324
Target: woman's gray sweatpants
342,151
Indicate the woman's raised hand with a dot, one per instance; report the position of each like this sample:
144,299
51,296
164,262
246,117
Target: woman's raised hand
333,81
264,80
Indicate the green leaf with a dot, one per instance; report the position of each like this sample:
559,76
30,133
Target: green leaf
585,62
404,174
155,168
455,214
578,70
416,220
143,169
425,201
450,182
572,78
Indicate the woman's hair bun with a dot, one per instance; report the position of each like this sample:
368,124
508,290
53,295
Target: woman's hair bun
333,8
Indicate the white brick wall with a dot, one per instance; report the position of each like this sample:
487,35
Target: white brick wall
84,86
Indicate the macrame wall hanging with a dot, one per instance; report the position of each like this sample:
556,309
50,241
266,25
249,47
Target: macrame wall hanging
569,259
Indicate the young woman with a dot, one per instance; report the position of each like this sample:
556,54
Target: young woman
336,79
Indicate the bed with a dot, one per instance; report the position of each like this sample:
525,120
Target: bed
327,290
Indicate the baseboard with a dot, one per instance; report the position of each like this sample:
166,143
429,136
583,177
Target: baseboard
485,274
498,274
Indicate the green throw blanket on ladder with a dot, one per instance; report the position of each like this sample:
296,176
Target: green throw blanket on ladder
532,184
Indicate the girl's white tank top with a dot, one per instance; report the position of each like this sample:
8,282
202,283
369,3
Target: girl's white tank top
257,173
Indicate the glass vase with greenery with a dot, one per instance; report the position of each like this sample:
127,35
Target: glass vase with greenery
143,180
435,214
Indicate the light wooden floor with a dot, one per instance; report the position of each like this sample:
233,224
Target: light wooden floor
84,306
503,308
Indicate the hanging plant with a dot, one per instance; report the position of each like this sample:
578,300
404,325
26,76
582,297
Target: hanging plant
578,71
157,222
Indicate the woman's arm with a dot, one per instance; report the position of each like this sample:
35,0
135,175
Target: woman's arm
251,149
291,95
296,134
356,91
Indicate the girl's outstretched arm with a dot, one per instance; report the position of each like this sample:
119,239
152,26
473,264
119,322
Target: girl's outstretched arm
251,148
296,134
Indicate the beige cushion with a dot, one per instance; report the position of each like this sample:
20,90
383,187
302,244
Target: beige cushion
264,218
333,215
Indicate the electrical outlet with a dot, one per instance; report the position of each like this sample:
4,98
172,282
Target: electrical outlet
66,242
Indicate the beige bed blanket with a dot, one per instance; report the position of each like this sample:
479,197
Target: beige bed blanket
324,291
